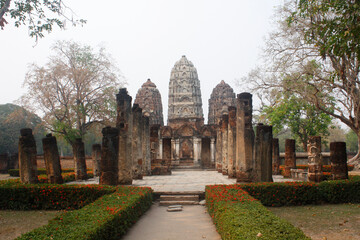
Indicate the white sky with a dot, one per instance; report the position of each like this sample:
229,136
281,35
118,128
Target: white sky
222,38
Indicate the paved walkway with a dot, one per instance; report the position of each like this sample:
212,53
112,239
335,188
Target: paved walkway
182,181
193,223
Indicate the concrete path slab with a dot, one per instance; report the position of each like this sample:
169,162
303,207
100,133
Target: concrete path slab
192,223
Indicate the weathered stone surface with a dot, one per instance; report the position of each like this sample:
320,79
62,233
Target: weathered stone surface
137,150
146,146
52,159
185,105
161,167
290,157
79,159
232,143
96,158
275,157
109,157
218,156
315,173
149,99
224,133
27,157
263,153
124,124
154,142
221,98
338,159
244,138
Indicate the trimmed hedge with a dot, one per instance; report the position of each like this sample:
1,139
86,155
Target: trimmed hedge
107,218
17,196
302,193
238,212
237,215
41,171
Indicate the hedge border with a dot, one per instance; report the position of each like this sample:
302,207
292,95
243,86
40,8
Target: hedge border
239,212
101,212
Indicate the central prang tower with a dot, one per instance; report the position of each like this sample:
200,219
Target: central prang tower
185,105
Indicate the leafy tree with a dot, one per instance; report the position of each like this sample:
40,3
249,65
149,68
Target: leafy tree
12,119
316,50
303,119
38,15
74,91
352,141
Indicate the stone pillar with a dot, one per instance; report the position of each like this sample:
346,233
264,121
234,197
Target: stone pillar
338,159
137,153
315,173
173,154
263,153
146,146
52,159
27,157
96,158
212,152
290,157
218,153
197,150
161,148
224,133
244,138
109,157
177,149
232,142
124,124
275,157
154,141
79,159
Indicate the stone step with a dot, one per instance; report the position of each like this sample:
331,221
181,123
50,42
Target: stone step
168,203
177,198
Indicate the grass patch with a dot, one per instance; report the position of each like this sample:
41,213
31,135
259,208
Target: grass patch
329,222
15,223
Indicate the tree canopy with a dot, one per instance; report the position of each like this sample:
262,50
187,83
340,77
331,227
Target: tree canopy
74,90
38,15
314,53
12,119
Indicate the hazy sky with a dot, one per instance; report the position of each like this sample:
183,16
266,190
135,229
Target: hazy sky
222,38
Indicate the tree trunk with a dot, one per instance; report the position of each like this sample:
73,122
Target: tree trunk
79,159
356,159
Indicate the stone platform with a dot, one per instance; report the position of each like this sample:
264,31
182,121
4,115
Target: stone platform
182,181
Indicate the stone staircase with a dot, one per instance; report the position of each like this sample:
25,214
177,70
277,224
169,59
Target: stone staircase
186,165
179,199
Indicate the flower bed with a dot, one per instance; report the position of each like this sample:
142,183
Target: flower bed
109,217
302,193
41,171
237,215
104,212
17,196
238,211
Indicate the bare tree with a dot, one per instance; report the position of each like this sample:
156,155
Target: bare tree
303,57
74,90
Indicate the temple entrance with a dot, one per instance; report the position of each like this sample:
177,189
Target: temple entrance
166,148
205,153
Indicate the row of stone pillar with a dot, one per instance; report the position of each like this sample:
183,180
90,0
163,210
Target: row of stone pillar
27,158
240,153
338,159
126,148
